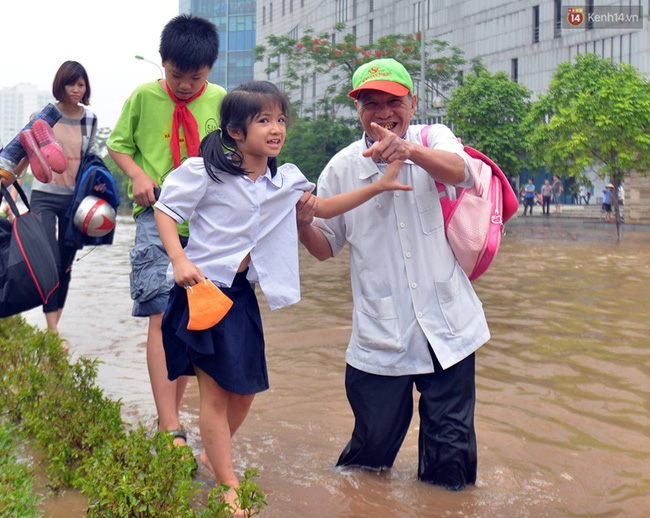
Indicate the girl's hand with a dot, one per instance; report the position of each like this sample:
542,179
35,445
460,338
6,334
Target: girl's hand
388,182
306,210
186,273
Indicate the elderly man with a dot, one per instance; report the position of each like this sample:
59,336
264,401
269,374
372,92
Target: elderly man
416,319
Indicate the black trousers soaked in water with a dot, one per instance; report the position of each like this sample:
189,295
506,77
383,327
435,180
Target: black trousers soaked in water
383,407
53,211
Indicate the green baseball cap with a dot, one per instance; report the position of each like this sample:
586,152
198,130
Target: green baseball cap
385,75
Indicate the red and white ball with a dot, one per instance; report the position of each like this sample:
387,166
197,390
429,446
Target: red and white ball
95,217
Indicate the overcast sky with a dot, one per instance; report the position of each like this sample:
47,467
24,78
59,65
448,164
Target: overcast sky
103,35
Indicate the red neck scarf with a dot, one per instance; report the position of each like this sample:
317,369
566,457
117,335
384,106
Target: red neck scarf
183,117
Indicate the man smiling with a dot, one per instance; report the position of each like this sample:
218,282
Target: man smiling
417,320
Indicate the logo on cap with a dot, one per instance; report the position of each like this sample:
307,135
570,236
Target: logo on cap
386,75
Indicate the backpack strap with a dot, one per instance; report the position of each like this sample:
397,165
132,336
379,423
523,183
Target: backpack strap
10,201
442,190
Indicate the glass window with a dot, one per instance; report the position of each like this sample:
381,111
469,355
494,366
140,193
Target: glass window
558,19
341,11
241,6
590,12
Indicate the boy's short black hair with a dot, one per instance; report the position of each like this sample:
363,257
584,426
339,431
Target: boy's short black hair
189,43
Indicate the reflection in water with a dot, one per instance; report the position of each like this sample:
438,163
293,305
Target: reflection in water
563,387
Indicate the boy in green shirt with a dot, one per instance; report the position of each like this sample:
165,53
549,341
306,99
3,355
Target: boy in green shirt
161,124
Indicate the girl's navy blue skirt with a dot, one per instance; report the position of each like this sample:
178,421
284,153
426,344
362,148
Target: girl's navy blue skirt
231,352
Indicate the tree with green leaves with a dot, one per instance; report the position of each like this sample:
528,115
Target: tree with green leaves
310,143
487,112
100,140
313,140
596,114
334,63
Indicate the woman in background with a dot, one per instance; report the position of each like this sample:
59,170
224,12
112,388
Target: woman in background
75,132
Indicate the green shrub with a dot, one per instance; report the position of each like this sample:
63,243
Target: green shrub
141,477
57,403
85,442
17,496
249,499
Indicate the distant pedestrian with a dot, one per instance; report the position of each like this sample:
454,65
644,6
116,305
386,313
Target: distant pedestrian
608,192
547,193
529,196
558,189
583,195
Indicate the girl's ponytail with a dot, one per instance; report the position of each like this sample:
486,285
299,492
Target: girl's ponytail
214,149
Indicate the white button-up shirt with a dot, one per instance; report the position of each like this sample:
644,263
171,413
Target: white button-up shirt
239,216
408,289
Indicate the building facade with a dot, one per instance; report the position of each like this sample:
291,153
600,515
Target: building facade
235,21
527,39
17,103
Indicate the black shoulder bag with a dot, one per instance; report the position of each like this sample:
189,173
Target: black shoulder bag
28,273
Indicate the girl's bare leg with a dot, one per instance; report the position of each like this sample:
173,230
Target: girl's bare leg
221,414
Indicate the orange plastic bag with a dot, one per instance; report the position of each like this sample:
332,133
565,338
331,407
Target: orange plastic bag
207,305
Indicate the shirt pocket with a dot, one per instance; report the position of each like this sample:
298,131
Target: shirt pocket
459,304
378,324
429,212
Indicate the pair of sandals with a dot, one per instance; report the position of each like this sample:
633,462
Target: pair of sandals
44,152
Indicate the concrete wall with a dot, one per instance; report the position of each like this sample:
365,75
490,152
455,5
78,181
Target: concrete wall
637,199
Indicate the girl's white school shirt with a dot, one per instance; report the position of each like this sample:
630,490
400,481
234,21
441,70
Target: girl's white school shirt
238,216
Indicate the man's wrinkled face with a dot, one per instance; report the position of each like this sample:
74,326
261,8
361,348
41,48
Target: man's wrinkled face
389,111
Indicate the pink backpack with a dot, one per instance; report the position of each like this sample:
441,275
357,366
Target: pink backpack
474,220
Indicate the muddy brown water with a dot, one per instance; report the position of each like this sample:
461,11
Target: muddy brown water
563,387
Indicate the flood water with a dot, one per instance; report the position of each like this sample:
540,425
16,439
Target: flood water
563,387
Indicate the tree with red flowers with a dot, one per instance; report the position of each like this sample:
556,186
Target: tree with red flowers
335,63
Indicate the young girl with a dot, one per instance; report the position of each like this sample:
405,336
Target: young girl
242,218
